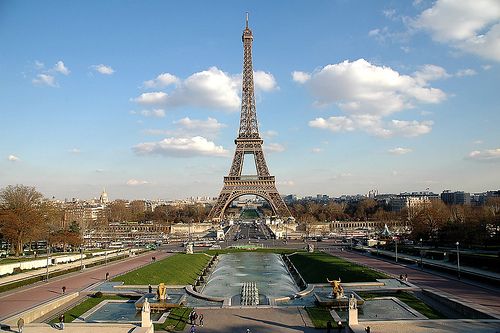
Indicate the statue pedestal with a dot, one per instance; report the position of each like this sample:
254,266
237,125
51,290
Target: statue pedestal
146,315
352,317
189,248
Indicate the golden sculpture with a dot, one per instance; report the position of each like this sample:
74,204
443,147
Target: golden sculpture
161,293
337,290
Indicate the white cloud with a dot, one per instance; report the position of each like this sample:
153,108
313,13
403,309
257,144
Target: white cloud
103,69
430,73
39,64
211,88
286,183
61,68
136,182
471,26
485,155
317,150
368,93
301,77
187,127
478,142
466,72
74,151
45,79
274,147
269,134
264,81
151,98
210,126
157,113
162,80
13,158
362,88
400,151
181,147
373,125
334,124
486,67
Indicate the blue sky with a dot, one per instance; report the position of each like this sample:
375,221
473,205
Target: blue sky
142,97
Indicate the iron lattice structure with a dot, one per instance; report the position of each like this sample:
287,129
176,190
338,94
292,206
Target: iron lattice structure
247,143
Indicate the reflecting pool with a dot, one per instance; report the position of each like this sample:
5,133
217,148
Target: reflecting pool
267,270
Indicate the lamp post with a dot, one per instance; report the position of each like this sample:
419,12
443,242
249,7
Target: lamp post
396,244
421,254
81,259
458,260
48,257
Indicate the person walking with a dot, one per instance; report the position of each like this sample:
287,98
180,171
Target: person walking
150,289
195,318
64,290
329,327
201,319
107,276
193,329
61,321
20,325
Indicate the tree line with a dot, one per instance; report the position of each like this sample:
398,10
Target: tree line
26,217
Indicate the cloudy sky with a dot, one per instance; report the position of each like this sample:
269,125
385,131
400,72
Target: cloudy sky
143,97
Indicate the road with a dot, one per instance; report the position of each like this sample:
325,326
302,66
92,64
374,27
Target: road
21,299
471,293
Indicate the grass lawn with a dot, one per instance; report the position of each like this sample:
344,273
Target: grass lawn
84,306
320,316
410,300
317,267
180,269
249,214
176,320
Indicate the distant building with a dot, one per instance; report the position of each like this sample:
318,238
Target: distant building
455,198
103,199
291,198
412,201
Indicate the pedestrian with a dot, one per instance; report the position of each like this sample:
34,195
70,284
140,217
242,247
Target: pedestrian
150,289
195,317
339,325
107,276
201,319
367,329
193,329
63,289
61,321
248,330
191,317
329,327
20,325
406,277
401,277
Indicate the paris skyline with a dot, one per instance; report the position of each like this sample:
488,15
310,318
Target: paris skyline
144,98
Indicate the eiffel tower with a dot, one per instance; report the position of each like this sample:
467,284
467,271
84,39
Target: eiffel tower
248,143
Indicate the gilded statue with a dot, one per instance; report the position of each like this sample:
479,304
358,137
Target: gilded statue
337,290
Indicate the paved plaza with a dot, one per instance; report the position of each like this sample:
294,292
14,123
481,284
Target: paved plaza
262,320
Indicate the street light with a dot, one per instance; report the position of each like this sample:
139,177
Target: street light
48,255
458,260
81,258
421,253
396,243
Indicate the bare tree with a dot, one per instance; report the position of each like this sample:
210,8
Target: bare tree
20,214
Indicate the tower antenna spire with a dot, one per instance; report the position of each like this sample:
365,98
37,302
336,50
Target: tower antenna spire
247,21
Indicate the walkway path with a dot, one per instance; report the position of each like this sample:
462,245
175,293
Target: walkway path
21,299
6,279
275,320
474,294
